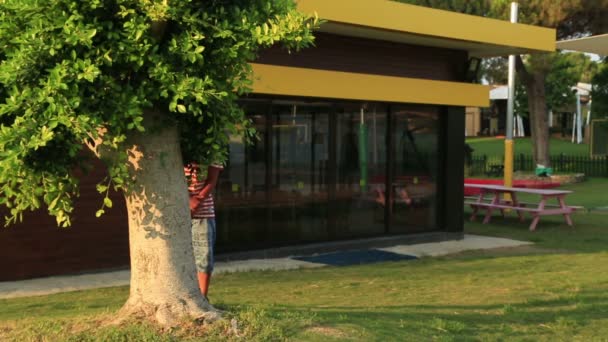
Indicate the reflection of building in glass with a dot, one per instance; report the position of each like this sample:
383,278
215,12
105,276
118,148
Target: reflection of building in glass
328,173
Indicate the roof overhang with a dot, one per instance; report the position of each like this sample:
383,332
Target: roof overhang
499,93
593,44
403,23
313,83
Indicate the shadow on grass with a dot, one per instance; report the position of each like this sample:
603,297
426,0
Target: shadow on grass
561,317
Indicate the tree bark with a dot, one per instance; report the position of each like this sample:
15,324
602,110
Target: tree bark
539,125
163,272
537,107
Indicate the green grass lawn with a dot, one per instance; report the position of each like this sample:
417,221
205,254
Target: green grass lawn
555,290
591,194
491,146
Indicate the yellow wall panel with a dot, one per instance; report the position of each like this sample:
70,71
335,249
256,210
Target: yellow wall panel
289,81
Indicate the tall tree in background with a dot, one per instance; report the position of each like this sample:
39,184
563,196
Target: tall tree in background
565,71
571,18
130,79
600,92
495,70
587,66
474,7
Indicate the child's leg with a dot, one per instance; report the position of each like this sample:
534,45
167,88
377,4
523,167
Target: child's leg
203,238
212,236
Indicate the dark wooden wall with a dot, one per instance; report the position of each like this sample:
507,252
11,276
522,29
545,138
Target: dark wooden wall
37,247
348,54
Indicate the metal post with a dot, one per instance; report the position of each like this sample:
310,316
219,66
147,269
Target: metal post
520,126
375,136
363,151
511,97
579,119
589,113
573,127
508,169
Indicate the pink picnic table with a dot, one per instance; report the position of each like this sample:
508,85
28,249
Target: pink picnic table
498,202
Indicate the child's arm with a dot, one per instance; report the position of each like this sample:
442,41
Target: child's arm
213,172
194,202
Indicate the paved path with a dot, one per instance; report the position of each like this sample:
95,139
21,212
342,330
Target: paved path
50,285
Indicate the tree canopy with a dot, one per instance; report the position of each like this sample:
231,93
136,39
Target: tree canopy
79,72
474,7
600,92
495,70
565,71
571,18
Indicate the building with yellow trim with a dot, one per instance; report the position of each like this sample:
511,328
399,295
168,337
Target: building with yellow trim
360,136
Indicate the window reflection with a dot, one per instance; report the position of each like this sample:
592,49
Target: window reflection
415,133
361,169
319,171
299,192
241,192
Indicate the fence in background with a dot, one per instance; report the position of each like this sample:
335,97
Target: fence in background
483,165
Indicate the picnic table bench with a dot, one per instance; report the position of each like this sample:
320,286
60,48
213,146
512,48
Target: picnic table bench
496,201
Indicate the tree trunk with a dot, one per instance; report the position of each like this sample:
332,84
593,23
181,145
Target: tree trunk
539,126
163,273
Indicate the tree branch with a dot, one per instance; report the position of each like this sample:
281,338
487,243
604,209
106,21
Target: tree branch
94,142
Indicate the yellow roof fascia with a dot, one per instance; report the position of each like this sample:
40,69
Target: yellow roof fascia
290,81
400,17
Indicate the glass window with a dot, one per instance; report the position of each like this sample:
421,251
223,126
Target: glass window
319,171
361,170
241,191
299,190
415,165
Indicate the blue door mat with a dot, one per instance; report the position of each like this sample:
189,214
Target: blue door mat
347,258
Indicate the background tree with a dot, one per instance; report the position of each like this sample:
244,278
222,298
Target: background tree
600,92
495,70
130,80
586,65
474,7
571,18
565,71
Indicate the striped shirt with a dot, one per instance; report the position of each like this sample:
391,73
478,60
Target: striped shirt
205,208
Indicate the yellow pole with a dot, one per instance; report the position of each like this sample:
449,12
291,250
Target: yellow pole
508,170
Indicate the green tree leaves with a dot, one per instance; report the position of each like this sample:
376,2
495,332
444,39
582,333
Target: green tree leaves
564,71
474,7
600,92
73,72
